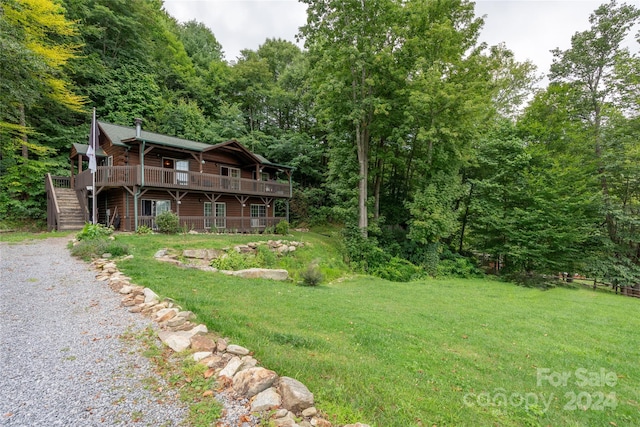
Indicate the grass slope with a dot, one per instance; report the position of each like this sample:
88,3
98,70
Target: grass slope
439,352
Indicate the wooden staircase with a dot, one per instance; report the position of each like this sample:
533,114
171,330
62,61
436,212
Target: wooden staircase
71,214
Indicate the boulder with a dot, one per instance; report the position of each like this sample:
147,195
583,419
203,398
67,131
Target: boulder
150,296
177,341
232,367
296,397
199,355
262,273
202,343
310,412
166,314
194,253
180,340
237,350
266,400
252,381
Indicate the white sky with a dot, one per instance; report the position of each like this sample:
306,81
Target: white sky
530,28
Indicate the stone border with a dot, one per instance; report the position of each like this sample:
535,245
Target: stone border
288,402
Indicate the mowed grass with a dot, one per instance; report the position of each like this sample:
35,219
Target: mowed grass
433,352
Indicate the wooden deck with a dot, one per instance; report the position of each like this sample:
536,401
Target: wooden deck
155,177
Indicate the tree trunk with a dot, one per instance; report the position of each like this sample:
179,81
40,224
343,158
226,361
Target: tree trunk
363,161
23,131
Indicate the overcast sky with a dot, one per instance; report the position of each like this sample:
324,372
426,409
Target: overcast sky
530,28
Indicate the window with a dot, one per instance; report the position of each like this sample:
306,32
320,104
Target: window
155,207
109,164
258,215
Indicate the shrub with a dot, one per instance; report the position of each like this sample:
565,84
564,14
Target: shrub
265,257
312,276
234,260
398,270
94,231
143,229
269,230
282,228
362,254
454,265
168,223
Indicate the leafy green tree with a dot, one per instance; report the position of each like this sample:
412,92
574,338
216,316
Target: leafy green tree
601,75
35,46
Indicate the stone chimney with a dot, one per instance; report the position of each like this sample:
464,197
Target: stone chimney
138,123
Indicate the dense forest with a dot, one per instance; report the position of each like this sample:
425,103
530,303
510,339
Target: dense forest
431,148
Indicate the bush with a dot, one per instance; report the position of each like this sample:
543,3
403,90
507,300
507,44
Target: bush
282,228
312,276
265,257
234,260
398,270
362,254
94,231
454,265
95,248
143,229
168,223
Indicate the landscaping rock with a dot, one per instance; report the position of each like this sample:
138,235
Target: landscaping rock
296,396
266,400
221,345
177,341
150,296
252,381
202,343
262,273
166,314
237,350
232,367
310,412
200,355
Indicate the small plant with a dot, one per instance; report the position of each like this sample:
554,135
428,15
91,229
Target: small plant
234,260
312,276
269,230
144,229
282,228
88,249
94,231
168,223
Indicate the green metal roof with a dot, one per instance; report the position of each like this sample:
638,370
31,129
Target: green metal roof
82,149
119,135
123,135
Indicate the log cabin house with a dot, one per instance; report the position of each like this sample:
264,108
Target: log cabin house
220,187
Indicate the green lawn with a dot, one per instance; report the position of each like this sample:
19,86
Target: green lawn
434,352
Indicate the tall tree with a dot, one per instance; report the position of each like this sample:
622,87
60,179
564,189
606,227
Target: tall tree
35,46
348,40
600,73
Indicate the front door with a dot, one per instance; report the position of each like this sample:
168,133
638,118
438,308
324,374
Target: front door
182,178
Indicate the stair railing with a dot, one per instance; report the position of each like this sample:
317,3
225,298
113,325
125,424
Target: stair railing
53,209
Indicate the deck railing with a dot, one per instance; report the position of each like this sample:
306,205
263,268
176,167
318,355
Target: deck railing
118,176
218,224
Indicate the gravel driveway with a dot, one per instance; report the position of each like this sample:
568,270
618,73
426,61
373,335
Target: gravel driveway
62,362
